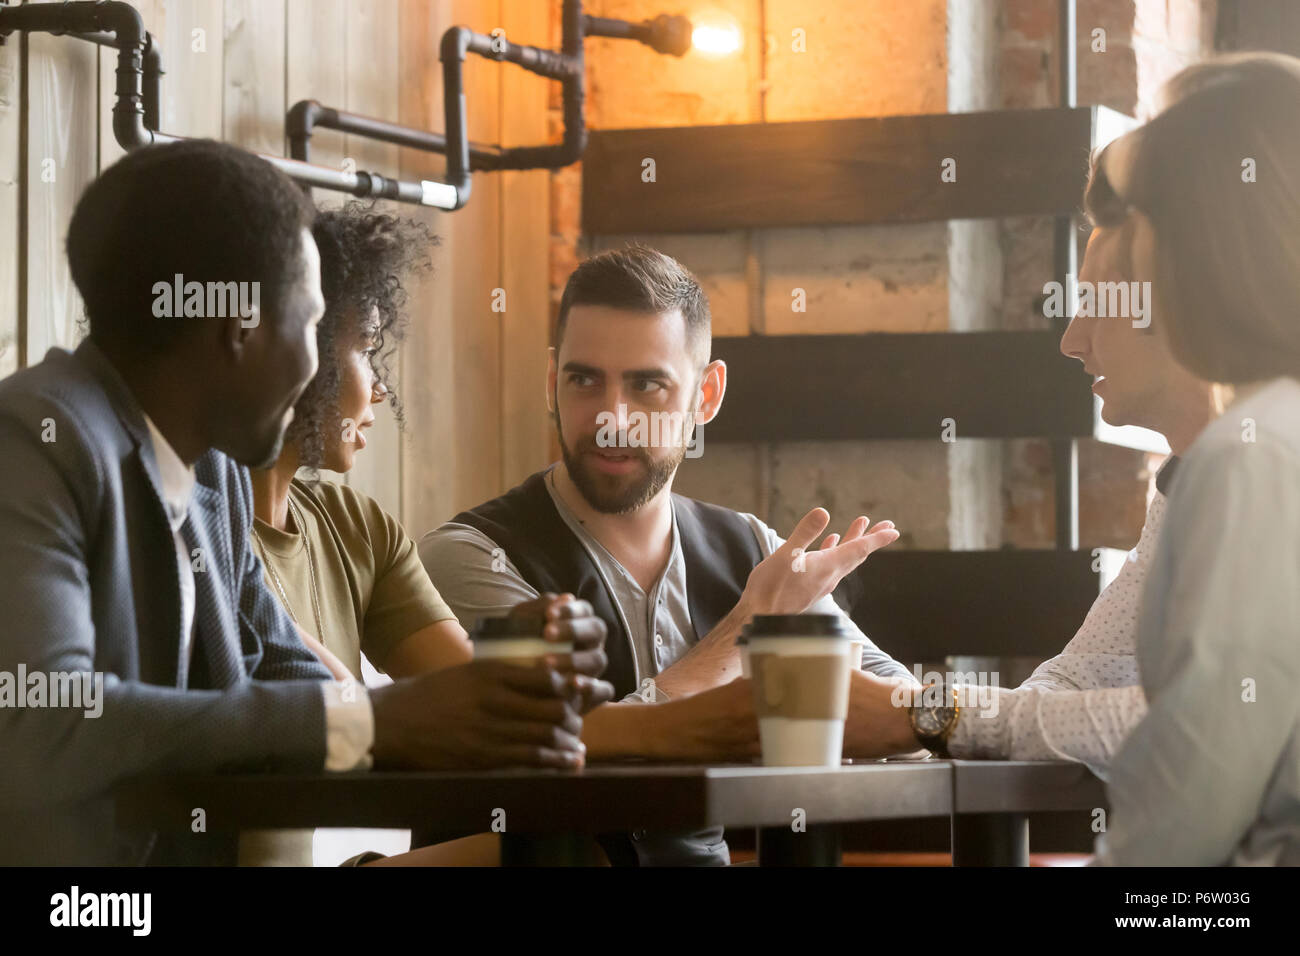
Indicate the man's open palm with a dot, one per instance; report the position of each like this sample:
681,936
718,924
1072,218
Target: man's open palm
797,575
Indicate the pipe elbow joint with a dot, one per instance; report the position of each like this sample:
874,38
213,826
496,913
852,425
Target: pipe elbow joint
455,44
122,20
302,117
463,189
129,129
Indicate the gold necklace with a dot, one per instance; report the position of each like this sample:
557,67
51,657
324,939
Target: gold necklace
311,571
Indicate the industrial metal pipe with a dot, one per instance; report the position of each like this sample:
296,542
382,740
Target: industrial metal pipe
665,34
137,103
463,157
97,21
110,16
153,72
305,116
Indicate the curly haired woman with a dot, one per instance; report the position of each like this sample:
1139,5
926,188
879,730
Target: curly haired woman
344,568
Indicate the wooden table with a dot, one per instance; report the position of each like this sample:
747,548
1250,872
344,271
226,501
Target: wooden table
547,815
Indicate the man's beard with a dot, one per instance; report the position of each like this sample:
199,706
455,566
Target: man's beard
617,494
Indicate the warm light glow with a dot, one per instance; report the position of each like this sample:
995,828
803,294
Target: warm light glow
715,34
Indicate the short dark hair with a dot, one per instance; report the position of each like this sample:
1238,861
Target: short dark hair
209,211
364,256
640,279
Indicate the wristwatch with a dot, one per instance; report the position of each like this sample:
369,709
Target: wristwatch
934,718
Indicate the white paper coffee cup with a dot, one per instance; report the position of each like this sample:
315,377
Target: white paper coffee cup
799,665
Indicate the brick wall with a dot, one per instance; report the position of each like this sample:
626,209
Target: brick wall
873,58
1141,45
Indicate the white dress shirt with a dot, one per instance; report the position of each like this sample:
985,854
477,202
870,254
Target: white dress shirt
1212,774
349,719
177,488
1083,703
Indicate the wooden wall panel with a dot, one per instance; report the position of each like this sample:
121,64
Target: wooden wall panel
12,249
316,68
253,81
451,364
427,363
525,261
62,84
193,53
371,55
474,237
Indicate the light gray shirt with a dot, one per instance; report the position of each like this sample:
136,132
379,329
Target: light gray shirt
1212,774
477,579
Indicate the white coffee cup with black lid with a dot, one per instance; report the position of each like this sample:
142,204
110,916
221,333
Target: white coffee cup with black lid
799,665
516,639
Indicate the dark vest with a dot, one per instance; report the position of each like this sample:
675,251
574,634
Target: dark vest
719,549
718,546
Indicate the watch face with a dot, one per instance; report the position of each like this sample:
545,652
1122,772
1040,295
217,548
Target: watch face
932,721
928,722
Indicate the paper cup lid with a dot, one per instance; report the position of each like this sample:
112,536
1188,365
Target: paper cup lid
489,628
794,625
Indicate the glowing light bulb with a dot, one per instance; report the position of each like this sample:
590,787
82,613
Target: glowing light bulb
715,35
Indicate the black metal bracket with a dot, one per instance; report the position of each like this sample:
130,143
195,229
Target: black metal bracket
136,108
664,34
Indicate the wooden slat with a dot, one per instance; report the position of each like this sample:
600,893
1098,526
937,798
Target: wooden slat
474,240
884,385
253,90
921,606
371,88
12,248
193,47
62,132
886,170
427,362
451,363
525,259
316,68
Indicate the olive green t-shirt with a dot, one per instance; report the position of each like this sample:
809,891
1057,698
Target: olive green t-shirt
352,578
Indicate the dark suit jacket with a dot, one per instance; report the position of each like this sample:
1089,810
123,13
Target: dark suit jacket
88,582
